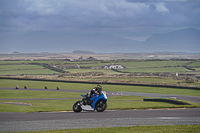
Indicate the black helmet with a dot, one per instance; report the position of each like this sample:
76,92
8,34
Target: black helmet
99,87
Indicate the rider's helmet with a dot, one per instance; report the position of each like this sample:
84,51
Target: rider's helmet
99,87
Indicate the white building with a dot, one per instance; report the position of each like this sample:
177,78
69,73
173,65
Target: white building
151,56
113,66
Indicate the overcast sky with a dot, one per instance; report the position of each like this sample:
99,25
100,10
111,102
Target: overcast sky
135,19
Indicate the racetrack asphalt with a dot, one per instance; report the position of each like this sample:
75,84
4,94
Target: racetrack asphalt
18,121
10,122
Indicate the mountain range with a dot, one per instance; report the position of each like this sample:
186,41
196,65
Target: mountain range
185,40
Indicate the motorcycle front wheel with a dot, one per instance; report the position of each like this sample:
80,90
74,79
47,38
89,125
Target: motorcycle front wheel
101,106
77,106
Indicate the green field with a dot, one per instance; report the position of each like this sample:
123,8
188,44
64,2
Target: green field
151,68
109,72
168,69
142,80
27,62
148,64
128,64
137,63
24,69
19,67
131,70
195,64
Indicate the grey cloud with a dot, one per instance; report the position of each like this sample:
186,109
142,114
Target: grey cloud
84,14
161,0
160,7
99,15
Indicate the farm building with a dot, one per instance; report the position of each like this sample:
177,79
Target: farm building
66,60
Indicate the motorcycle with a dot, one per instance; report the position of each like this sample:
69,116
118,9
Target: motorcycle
99,103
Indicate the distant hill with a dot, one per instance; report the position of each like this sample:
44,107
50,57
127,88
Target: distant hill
185,40
42,41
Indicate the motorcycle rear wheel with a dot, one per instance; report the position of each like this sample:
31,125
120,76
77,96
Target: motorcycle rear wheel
77,106
101,106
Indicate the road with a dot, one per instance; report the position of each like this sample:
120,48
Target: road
10,122
16,121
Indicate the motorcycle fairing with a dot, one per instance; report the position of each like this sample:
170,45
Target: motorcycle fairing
96,98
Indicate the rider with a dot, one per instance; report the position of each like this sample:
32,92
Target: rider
97,90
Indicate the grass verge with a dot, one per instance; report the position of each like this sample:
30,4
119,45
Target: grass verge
135,129
81,86
42,104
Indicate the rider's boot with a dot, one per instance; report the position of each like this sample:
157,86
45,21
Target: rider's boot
89,102
84,101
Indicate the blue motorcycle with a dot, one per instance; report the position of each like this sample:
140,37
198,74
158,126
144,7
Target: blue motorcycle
97,102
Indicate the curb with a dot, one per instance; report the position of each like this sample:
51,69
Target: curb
166,100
